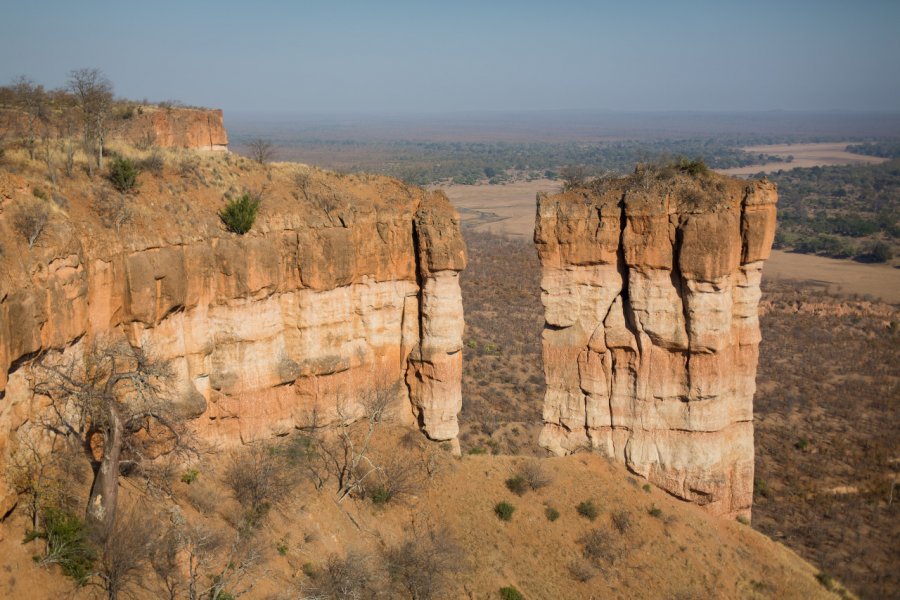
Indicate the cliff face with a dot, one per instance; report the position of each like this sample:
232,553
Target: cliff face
651,286
344,284
200,129
194,128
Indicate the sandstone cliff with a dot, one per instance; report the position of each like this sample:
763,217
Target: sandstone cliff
176,127
344,283
200,129
651,286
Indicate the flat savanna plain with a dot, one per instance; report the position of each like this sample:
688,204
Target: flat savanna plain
825,409
804,156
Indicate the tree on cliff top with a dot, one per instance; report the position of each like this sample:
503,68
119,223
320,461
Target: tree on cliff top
112,402
94,95
31,99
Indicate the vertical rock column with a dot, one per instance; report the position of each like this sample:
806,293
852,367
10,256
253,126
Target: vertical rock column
434,375
650,291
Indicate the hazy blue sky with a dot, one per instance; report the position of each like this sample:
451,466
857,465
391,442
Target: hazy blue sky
460,55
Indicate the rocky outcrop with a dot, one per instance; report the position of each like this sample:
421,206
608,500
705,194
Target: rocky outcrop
344,285
197,128
651,287
146,126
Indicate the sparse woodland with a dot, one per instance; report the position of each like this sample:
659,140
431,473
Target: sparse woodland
366,508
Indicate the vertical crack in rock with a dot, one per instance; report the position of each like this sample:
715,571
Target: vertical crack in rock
434,376
657,320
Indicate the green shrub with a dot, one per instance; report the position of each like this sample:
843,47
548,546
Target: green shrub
878,252
552,514
517,485
282,548
309,570
761,489
67,544
504,510
380,495
647,488
694,167
588,510
123,174
240,213
742,520
189,476
653,511
476,450
511,593
826,580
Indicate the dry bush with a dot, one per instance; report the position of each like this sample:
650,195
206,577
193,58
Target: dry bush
303,180
112,208
599,547
534,474
395,477
258,478
154,163
621,520
189,167
343,578
30,219
581,570
424,565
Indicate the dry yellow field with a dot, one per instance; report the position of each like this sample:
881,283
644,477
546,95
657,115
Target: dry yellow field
504,209
509,210
805,155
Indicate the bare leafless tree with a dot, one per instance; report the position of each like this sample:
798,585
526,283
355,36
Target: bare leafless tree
112,401
260,150
534,474
185,557
425,563
124,555
31,218
342,447
259,478
32,101
46,478
349,577
243,555
94,94
396,475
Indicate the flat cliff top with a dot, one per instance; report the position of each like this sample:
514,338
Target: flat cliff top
179,194
682,188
